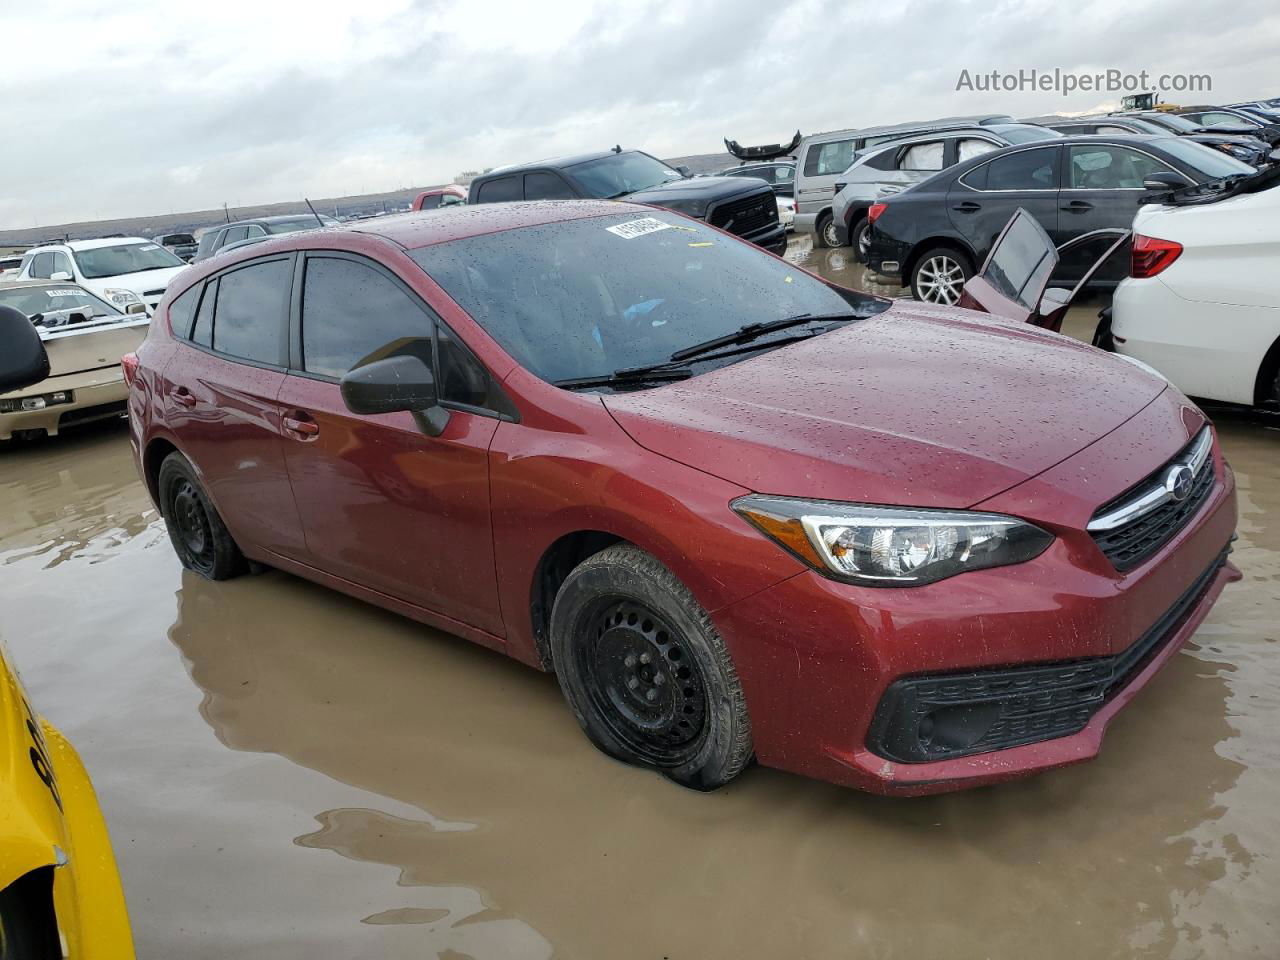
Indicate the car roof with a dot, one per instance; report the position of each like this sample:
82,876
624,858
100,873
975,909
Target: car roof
92,244
556,162
12,284
976,120
423,228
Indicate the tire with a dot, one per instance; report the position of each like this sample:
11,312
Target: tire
825,232
1102,336
645,671
197,532
859,238
951,268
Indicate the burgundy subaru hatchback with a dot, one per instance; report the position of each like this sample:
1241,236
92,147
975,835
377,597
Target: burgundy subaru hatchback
739,511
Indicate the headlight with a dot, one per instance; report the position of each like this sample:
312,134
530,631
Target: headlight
891,546
121,298
690,208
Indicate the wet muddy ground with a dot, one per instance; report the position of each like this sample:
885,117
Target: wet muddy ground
290,773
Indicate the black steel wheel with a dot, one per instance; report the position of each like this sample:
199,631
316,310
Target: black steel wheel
197,532
641,681
645,671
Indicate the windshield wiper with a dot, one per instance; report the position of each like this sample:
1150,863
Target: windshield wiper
628,375
753,331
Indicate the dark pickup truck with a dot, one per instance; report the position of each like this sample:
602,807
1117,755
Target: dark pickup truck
739,205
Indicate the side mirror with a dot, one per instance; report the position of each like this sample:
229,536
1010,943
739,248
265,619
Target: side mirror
684,171
23,360
396,384
136,308
60,275
1163,182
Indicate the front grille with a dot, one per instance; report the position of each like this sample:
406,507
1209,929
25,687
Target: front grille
745,215
1130,543
954,715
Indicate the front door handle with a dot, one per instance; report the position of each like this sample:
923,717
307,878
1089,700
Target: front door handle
301,425
967,206
1077,206
182,397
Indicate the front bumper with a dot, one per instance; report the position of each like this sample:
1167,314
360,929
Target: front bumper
96,395
815,681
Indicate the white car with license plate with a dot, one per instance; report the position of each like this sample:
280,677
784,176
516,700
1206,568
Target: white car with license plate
124,271
1202,304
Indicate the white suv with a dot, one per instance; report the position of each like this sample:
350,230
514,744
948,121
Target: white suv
121,270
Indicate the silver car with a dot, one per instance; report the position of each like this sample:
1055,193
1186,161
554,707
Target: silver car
889,168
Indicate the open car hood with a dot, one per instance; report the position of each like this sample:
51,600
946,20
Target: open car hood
919,405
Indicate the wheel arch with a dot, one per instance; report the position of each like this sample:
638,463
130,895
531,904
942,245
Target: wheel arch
1267,373
553,568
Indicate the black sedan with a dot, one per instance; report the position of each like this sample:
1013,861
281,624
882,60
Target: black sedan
934,235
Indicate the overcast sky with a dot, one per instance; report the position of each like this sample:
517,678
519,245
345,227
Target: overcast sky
140,108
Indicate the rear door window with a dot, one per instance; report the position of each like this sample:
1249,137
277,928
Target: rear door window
968,148
500,190
922,156
824,159
546,186
252,308
1023,170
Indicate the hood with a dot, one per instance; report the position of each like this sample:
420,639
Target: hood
698,188
140,283
919,406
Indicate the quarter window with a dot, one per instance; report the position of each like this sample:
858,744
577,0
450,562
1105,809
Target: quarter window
545,186
234,234
251,309
1024,170
1110,168
828,158
182,311
42,266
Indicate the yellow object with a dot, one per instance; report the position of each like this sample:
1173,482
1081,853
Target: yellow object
49,819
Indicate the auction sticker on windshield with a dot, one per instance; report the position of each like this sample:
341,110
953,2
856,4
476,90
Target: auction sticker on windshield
638,228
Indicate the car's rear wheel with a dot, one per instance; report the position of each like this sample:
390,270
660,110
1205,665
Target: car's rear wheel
645,671
826,233
940,275
197,532
860,240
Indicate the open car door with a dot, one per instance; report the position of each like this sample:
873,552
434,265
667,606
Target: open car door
1014,279
770,151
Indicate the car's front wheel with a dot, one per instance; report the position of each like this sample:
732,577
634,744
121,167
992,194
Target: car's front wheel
940,275
826,233
199,537
645,671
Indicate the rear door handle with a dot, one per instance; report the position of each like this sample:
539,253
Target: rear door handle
301,425
1077,206
967,207
182,396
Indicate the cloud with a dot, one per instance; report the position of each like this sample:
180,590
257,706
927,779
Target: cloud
148,107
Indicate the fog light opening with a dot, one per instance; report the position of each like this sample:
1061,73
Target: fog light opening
957,728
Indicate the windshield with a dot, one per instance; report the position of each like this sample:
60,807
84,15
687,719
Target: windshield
584,298
124,258
300,223
57,301
621,173
1212,164
1024,132
1171,121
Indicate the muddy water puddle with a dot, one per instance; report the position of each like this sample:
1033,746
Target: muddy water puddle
290,773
